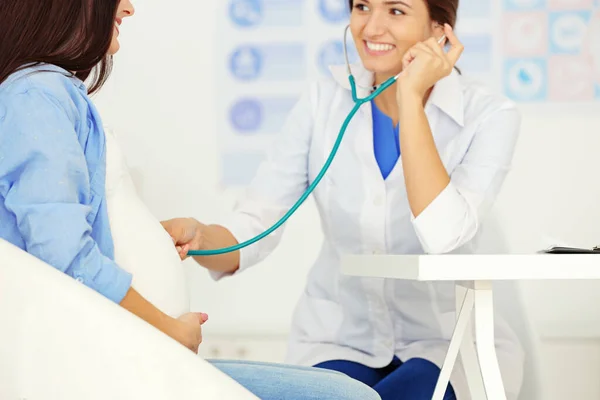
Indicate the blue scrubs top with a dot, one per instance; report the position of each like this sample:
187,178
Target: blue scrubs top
386,141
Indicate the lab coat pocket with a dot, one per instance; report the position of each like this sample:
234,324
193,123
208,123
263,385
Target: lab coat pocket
318,320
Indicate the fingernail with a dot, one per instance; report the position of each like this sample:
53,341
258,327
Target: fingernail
204,316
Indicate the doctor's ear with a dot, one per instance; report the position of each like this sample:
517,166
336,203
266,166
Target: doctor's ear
437,29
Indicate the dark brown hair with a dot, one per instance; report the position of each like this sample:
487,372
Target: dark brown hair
71,34
440,11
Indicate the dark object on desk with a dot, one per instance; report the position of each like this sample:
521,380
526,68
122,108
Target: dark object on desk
571,250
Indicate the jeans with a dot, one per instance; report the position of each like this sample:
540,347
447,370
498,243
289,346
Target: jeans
285,382
414,379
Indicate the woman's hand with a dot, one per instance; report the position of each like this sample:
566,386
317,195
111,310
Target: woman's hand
187,330
186,234
426,63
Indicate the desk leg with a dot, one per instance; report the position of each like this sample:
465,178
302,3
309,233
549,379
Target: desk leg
462,323
484,340
468,354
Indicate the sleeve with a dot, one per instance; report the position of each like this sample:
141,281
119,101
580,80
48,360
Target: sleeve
453,218
280,182
45,180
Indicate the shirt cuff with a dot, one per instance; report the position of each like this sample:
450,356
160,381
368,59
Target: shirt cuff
111,281
441,226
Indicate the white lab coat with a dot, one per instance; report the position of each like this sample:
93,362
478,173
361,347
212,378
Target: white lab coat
369,320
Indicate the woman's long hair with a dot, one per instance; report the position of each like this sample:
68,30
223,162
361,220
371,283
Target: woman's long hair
72,34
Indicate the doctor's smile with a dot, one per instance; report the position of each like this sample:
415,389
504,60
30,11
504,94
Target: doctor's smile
378,49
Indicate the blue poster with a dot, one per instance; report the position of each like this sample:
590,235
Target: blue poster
334,10
524,5
526,79
249,14
246,63
245,13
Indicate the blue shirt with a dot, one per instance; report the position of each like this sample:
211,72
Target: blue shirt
386,141
52,178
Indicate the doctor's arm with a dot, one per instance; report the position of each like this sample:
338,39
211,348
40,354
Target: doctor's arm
447,210
423,66
190,234
280,182
424,173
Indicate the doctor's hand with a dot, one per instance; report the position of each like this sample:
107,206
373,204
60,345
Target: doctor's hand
186,234
426,63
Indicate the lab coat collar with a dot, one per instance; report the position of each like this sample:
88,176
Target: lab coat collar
447,94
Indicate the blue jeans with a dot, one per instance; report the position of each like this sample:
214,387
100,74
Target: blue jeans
412,380
285,382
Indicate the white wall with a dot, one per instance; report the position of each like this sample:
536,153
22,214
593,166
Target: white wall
552,196
160,103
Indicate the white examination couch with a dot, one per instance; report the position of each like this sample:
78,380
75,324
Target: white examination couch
60,340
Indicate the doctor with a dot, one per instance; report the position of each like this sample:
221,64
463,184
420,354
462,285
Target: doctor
418,171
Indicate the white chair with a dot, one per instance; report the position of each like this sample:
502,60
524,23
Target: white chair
59,340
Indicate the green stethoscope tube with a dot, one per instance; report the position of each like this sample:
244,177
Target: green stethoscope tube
358,102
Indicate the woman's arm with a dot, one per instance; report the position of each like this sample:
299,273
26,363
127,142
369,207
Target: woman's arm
46,186
186,329
43,177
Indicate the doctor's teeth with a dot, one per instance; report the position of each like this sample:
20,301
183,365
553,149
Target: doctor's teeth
379,46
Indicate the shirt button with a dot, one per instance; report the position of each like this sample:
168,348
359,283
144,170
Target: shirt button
79,279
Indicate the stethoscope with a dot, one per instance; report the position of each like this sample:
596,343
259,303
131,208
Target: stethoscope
375,91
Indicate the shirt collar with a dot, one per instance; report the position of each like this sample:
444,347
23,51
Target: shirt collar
447,94
55,68
29,68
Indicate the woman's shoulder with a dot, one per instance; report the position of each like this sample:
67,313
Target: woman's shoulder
41,85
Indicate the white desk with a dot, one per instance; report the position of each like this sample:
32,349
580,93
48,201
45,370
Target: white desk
474,273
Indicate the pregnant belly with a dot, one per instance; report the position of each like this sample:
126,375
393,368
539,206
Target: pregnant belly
142,246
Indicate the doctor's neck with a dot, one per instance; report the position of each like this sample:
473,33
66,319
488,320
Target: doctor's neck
387,101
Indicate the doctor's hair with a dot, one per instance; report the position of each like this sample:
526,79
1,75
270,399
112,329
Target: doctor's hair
72,34
440,11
